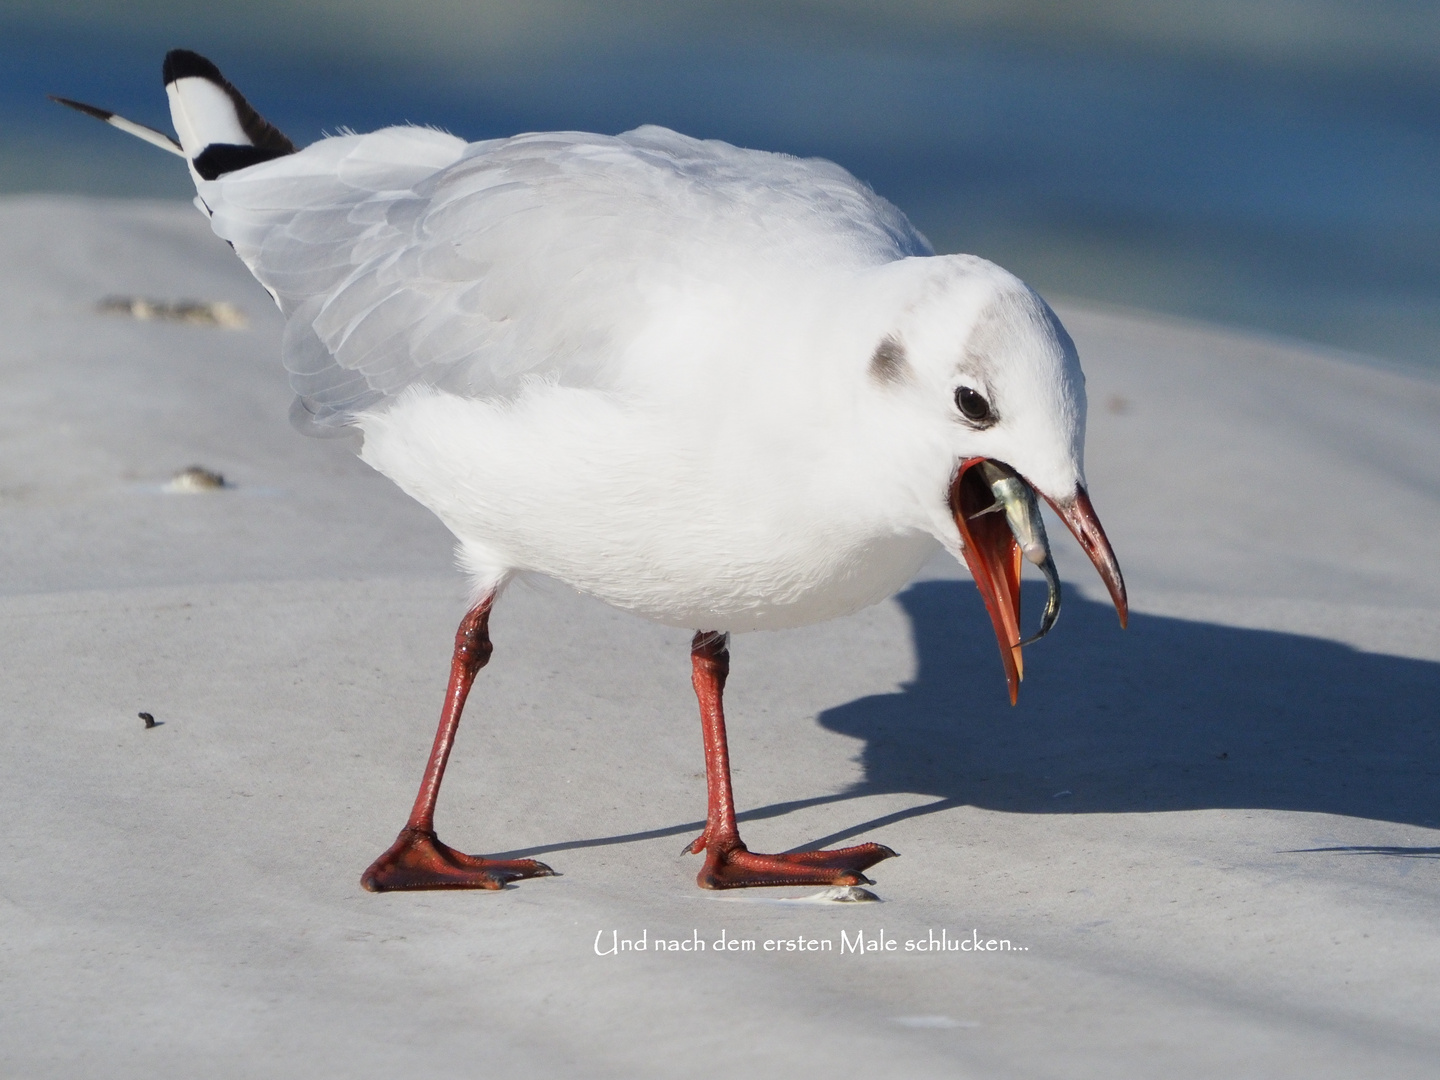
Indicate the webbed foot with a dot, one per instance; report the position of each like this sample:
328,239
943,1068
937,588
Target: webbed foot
418,860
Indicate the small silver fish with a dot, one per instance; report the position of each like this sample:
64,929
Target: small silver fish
1017,500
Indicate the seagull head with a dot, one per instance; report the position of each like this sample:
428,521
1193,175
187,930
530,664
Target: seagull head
988,386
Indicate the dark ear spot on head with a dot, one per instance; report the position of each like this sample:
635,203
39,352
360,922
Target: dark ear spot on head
888,365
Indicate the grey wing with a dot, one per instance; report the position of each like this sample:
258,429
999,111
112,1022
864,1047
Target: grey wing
406,257
372,305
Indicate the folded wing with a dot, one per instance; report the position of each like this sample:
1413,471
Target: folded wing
407,256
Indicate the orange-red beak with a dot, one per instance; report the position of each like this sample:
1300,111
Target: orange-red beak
993,556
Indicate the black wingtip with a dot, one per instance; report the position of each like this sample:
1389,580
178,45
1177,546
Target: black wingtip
80,106
184,64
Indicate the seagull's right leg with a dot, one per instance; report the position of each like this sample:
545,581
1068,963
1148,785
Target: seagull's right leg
729,864
417,859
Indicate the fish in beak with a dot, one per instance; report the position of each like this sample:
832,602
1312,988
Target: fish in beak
999,520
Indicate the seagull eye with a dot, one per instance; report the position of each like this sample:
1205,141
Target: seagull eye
972,404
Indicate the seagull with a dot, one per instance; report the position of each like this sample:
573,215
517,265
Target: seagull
723,389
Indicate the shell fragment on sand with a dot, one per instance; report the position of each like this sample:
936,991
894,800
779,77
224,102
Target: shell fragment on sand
219,313
195,480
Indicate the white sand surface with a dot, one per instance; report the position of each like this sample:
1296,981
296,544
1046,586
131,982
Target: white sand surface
1213,840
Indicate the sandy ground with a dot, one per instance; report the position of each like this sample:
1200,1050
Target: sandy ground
1212,842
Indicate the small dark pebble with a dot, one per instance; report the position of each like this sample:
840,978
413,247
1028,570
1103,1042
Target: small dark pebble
149,720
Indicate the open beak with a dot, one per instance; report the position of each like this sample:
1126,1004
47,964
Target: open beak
994,556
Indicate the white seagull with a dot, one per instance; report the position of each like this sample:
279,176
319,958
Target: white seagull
720,388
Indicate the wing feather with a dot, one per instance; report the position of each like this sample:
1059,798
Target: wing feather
406,256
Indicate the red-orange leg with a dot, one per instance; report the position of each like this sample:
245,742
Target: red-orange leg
729,864
417,859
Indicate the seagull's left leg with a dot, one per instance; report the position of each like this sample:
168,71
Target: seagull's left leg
417,859
729,864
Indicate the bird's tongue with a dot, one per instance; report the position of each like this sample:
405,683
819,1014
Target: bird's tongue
994,556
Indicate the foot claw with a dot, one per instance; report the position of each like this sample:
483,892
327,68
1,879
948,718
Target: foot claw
418,860
737,867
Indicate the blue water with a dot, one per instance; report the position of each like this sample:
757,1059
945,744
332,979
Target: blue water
1284,198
